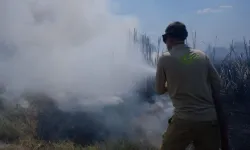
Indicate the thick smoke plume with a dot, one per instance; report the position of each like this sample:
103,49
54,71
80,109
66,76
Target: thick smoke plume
80,54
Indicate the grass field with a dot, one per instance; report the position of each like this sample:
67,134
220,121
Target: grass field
18,125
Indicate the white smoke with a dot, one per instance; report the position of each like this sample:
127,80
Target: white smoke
59,46
69,48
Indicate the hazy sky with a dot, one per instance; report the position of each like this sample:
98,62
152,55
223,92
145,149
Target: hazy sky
226,19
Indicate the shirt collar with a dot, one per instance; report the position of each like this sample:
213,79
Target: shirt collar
179,47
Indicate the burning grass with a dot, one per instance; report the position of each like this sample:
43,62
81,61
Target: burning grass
28,128
42,125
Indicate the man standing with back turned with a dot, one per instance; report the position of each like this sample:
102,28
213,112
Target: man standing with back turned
192,83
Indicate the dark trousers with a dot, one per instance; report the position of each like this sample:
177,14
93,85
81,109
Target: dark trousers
180,133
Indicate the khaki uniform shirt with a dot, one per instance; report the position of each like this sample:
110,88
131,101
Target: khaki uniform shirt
189,77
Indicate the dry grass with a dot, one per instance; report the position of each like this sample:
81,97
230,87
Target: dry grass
18,128
18,125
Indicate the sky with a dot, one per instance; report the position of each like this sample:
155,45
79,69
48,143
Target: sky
224,19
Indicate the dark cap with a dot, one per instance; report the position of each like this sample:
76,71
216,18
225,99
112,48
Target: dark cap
177,30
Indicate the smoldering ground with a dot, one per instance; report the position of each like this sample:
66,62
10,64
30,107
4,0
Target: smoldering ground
131,118
80,55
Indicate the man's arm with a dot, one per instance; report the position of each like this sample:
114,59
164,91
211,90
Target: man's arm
160,78
215,80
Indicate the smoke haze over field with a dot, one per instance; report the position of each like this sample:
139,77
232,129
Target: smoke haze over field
77,46
72,49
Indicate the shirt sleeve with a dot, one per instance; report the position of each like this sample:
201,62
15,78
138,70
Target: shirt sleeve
160,78
214,78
